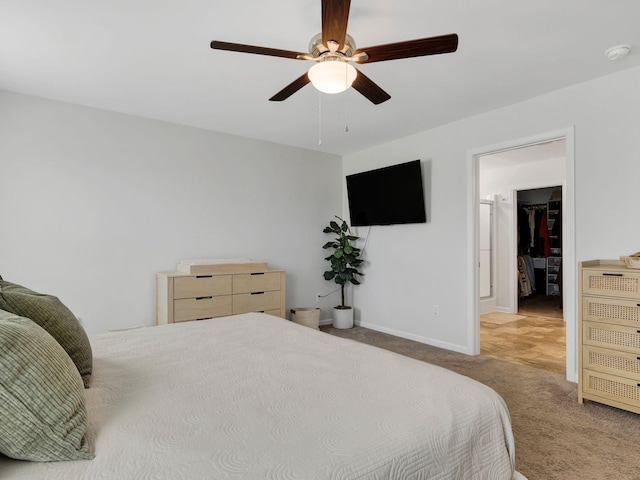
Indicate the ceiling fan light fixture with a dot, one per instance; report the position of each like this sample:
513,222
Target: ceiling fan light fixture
332,76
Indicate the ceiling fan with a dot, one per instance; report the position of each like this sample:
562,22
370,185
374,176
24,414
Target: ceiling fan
333,50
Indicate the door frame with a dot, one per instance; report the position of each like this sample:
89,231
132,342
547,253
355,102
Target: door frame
491,299
513,238
569,278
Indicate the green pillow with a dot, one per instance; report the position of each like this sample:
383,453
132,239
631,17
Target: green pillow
42,407
52,315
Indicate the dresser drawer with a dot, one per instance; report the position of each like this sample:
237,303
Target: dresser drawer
256,302
202,307
611,387
201,286
182,297
611,336
613,362
256,282
611,284
611,310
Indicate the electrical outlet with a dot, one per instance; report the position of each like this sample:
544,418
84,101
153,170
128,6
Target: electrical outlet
317,297
436,310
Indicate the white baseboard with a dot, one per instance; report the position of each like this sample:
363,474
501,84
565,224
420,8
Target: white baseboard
495,309
487,305
417,338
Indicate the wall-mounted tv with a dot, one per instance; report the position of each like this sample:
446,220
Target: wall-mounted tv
387,196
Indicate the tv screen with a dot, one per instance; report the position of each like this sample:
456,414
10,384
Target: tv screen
387,196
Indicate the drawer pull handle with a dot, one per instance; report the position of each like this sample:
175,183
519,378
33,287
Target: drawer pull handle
262,293
613,274
637,358
258,273
204,276
207,298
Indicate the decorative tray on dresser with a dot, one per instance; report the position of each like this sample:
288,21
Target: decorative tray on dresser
196,292
609,334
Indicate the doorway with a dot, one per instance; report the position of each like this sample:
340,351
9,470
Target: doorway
535,172
539,252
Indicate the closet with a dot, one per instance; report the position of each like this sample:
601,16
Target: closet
539,246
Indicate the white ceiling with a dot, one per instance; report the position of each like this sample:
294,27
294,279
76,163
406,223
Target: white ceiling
152,59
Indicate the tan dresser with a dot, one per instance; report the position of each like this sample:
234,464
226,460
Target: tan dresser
609,334
181,297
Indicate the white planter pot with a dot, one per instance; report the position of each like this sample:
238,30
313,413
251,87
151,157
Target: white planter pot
342,317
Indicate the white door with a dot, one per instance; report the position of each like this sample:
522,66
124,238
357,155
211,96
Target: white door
486,276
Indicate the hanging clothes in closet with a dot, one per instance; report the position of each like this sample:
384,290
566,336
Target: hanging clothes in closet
526,277
533,232
533,241
544,236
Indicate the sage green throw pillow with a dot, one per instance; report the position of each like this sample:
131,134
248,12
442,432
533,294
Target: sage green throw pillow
52,315
42,407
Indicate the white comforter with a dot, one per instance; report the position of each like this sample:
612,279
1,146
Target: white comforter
257,397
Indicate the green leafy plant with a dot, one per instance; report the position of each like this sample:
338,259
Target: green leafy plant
345,258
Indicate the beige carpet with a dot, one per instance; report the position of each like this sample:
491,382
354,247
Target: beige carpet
556,438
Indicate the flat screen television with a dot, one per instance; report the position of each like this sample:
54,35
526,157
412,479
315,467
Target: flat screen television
387,196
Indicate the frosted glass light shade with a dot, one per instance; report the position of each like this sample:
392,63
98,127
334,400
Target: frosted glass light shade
332,76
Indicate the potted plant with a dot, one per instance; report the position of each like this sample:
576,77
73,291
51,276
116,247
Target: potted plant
345,260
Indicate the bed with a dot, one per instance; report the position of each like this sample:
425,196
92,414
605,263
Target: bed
257,397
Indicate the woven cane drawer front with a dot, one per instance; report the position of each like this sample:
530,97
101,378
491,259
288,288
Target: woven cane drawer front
611,284
609,346
611,336
613,362
611,310
611,387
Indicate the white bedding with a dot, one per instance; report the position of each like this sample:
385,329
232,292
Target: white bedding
257,397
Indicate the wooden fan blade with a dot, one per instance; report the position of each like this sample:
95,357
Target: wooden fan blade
369,89
411,48
335,16
238,47
290,89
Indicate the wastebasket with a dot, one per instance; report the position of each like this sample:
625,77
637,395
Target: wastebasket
309,317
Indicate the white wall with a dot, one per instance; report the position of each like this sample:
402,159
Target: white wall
94,203
502,182
414,267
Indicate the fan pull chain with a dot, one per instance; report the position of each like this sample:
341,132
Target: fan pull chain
346,112
319,118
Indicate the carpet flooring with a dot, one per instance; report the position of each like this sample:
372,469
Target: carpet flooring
555,436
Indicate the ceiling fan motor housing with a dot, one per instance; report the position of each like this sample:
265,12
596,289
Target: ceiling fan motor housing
317,48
